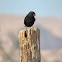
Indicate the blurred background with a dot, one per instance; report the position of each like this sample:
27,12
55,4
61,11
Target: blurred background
48,20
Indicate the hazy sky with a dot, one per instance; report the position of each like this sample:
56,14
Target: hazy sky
41,7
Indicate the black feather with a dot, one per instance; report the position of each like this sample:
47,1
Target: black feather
29,19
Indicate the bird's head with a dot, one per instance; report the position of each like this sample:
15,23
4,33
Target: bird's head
32,13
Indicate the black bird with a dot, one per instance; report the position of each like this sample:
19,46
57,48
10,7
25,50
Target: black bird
29,19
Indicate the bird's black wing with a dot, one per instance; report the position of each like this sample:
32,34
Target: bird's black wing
29,20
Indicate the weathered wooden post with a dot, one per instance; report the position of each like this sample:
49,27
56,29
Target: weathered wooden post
29,42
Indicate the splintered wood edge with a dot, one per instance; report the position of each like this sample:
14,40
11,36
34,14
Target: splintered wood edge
36,29
29,29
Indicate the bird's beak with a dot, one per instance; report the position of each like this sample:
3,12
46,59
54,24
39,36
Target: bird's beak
34,14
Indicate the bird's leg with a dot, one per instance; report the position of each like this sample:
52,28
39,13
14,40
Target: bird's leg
33,27
26,28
